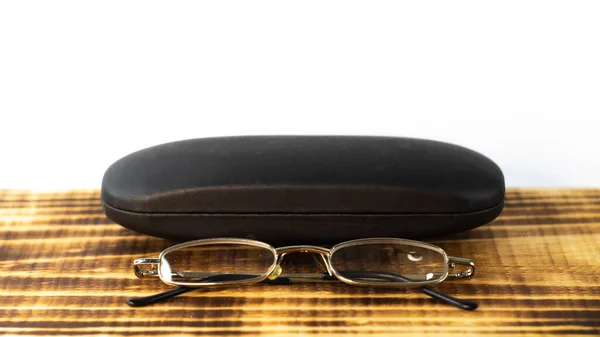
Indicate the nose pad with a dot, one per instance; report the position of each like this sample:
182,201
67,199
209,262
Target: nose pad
323,262
278,270
275,273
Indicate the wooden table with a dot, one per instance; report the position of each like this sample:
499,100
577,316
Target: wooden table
66,270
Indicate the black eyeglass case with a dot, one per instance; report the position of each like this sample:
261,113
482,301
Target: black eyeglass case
303,189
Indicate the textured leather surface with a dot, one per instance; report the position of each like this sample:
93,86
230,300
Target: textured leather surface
291,189
304,174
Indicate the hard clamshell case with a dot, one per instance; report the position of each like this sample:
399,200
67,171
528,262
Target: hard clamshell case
303,189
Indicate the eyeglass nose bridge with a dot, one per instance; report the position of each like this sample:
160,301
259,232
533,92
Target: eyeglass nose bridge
322,252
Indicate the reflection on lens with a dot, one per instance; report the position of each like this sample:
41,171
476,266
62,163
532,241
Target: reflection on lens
216,263
389,263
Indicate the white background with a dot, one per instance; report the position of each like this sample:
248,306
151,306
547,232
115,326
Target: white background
85,83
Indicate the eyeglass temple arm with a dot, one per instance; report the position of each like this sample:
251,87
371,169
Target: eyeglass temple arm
453,262
144,301
462,304
145,267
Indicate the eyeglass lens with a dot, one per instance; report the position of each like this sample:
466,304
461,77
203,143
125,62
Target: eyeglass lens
389,263
216,263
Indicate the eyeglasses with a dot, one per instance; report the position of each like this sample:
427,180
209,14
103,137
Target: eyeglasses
374,262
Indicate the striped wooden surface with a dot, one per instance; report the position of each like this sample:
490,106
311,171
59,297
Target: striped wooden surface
66,270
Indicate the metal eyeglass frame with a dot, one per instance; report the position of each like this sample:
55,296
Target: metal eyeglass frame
151,267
